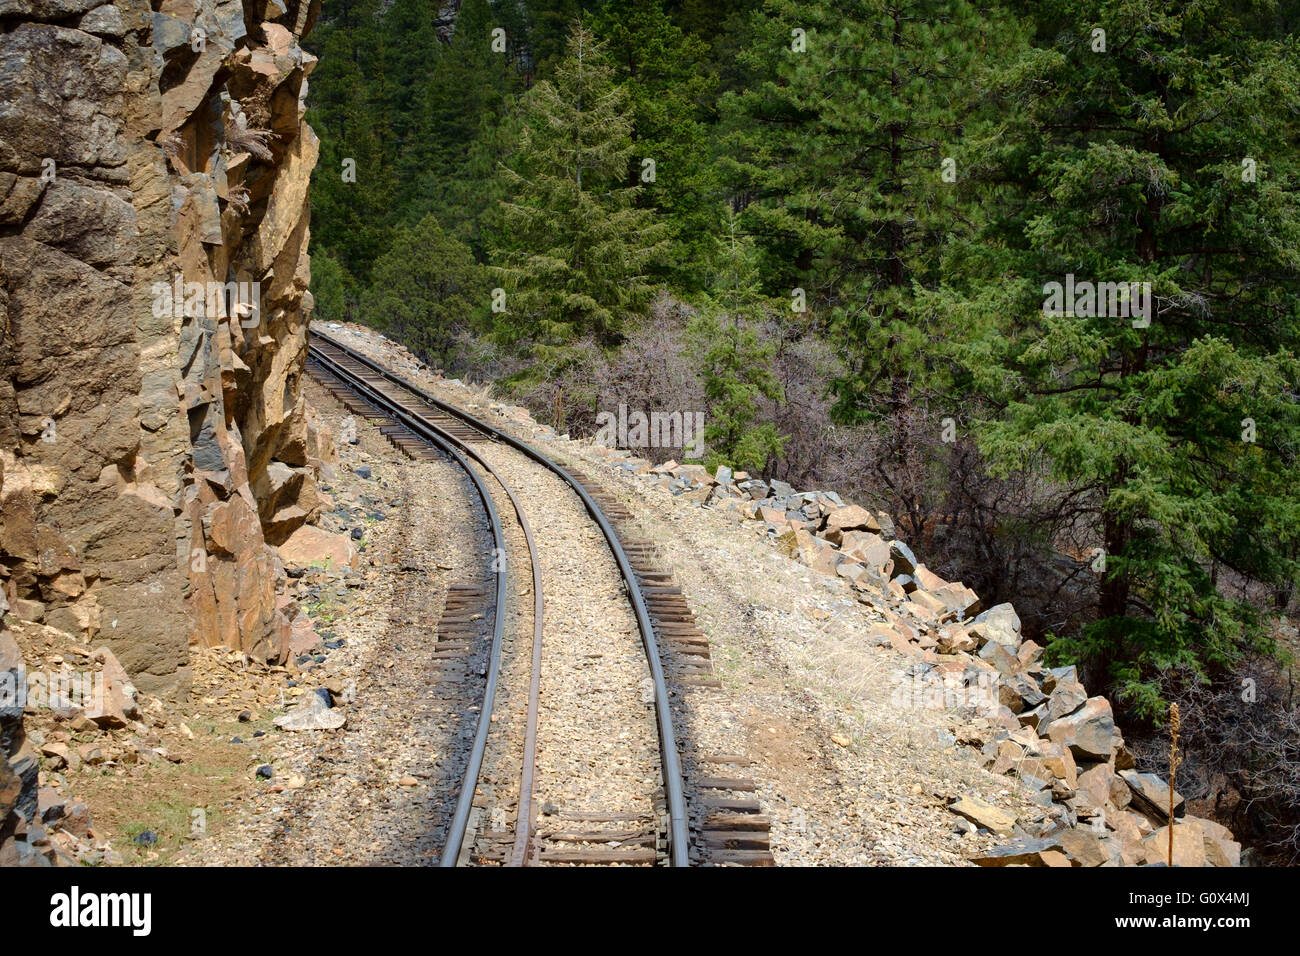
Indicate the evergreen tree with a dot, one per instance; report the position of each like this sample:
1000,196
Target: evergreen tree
451,159
410,37
426,288
670,96
547,30
847,153
736,365
578,248
354,185
331,289
1154,153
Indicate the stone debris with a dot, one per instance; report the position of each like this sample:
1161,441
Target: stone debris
313,712
1036,723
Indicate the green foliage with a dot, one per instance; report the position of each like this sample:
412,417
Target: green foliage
841,144
737,364
737,373
352,107
330,285
426,289
1131,170
451,157
575,249
670,98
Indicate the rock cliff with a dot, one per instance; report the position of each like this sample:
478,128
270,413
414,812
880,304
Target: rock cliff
154,170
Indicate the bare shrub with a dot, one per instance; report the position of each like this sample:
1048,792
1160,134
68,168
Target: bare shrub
657,369
1241,751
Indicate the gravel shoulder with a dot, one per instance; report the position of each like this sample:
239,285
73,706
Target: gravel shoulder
372,792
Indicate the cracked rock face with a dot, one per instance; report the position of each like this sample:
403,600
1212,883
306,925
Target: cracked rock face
154,169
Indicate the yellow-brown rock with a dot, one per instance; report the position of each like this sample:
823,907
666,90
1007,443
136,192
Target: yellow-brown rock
152,448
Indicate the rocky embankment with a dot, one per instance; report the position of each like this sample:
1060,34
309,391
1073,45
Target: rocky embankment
1030,721
154,443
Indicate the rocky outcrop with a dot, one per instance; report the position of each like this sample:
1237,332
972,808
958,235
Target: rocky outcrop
154,169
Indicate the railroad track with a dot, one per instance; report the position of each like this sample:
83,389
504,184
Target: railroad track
421,425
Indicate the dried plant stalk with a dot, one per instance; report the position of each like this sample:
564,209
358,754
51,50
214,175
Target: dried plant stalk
1175,758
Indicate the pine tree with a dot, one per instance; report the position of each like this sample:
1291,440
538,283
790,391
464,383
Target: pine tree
1152,153
670,97
548,31
849,154
425,289
578,249
354,185
410,37
332,289
451,158
736,366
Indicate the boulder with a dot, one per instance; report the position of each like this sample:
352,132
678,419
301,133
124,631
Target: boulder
1019,853
118,705
1081,846
1026,689
867,547
1189,845
1005,758
1002,659
1087,731
954,639
930,607
1060,763
1151,795
1220,848
1053,675
1133,851
311,545
927,578
1030,652
984,814
1033,717
1066,698
1001,625
848,518
1095,781
818,554
694,474
959,599
904,559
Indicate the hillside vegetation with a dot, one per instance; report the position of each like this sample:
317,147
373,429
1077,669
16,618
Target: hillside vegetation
1023,274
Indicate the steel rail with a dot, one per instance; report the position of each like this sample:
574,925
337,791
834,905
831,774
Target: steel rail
679,833
448,444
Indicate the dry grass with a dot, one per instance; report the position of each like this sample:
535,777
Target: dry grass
241,138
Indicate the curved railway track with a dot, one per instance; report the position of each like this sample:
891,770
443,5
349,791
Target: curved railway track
454,433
